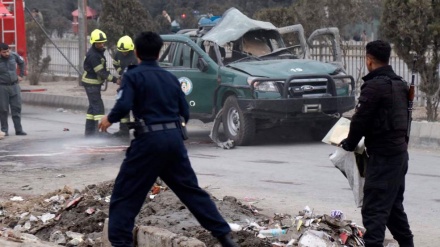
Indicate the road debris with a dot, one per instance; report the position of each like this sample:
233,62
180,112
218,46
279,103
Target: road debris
17,199
76,218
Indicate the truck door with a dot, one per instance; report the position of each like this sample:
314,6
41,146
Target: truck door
325,46
294,37
181,59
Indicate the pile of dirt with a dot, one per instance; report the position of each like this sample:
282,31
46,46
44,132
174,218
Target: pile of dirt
67,210
76,218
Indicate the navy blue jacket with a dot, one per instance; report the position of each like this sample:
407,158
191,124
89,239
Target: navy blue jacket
152,93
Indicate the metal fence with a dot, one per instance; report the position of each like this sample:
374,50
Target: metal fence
353,58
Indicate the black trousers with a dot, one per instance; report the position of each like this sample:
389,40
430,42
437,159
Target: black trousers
383,200
96,108
151,155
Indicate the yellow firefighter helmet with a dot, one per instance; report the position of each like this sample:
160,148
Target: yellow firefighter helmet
97,36
125,44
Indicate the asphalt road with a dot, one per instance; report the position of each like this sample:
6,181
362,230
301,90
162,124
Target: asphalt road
280,173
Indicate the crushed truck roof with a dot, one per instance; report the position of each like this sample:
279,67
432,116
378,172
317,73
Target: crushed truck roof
233,26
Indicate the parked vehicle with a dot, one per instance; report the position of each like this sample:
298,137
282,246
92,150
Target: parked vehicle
244,66
12,26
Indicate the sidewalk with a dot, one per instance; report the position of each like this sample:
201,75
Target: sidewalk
69,95
64,94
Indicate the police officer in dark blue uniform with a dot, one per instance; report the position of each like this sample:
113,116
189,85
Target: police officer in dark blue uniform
382,117
157,101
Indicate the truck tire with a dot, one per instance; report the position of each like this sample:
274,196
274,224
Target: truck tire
238,127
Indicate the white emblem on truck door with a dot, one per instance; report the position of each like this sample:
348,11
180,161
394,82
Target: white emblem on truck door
186,85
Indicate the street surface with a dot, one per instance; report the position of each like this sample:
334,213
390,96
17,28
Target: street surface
281,173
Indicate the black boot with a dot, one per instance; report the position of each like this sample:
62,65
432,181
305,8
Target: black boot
226,241
123,131
91,128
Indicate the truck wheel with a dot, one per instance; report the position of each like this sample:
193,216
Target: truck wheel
238,127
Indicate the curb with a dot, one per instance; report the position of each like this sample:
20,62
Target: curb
423,134
62,101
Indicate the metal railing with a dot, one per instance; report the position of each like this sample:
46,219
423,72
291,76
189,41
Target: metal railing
353,59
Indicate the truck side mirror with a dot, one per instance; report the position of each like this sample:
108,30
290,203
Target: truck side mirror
202,65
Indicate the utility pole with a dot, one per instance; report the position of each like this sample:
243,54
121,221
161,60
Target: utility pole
82,15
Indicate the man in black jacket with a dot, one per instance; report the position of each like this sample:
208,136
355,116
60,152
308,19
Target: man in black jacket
382,117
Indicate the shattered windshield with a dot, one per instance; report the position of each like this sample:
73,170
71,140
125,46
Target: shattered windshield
255,45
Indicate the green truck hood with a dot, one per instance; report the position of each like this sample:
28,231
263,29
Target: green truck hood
284,68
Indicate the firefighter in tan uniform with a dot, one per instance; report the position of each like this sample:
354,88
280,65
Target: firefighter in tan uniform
95,74
124,57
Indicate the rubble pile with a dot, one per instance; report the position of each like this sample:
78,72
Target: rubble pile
76,218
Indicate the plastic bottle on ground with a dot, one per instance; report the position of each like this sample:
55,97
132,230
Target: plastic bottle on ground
273,232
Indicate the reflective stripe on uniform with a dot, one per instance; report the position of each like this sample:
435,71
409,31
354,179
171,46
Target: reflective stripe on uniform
90,80
124,120
110,77
90,117
116,62
119,70
98,68
98,117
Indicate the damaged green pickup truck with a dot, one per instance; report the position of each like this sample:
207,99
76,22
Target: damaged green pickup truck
243,67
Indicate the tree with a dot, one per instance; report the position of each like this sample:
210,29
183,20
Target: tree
413,26
124,17
35,39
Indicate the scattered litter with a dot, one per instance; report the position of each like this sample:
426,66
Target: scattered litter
27,225
24,215
46,217
337,214
271,233
61,110
33,218
58,217
66,129
53,199
58,238
316,239
26,187
90,211
73,202
155,190
17,199
84,213
235,227
61,176
307,212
